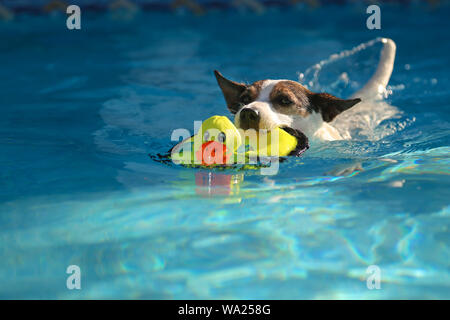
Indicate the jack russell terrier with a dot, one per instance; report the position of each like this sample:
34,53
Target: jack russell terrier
267,104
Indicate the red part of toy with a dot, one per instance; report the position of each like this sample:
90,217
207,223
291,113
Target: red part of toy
212,152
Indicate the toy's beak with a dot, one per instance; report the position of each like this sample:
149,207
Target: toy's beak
212,152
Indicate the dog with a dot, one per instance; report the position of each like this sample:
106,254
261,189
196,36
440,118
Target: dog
267,104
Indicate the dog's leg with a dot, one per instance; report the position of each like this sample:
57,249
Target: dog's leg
375,87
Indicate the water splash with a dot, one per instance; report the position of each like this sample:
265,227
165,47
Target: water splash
346,72
310,78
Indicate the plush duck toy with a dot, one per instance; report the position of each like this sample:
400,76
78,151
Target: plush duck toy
219,142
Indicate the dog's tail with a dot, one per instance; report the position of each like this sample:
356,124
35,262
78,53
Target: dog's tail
376,86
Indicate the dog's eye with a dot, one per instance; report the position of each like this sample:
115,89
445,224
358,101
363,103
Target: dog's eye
285,101
246,99
221,137
206,136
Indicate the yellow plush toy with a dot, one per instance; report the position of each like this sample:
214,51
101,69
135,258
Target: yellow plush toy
219,142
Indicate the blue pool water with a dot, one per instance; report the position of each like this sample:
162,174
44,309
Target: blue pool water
82,110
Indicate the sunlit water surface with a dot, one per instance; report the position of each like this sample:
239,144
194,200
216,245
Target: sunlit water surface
82,110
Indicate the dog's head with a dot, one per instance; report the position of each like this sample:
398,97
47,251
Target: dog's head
267,104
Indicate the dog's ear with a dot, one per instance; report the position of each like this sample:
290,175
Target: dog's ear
231,91
330,106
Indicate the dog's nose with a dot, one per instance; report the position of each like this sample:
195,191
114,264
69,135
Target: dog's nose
249,118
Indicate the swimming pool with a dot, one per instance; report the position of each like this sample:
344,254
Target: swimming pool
82,110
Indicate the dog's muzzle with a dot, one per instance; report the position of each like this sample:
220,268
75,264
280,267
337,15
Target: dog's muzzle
249,119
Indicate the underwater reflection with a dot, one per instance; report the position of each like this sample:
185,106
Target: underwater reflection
210,183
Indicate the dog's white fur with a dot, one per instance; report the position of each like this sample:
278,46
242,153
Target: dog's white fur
313,126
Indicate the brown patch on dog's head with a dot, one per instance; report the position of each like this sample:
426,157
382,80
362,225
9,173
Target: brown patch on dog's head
329,106
290,98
